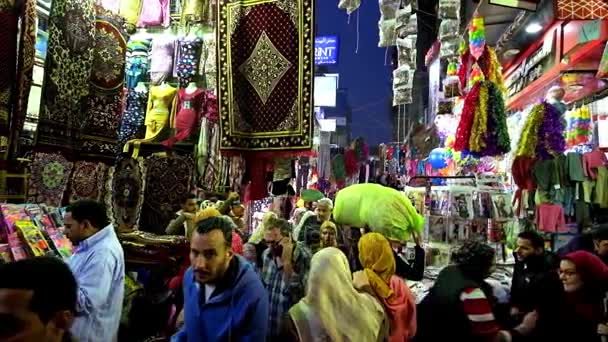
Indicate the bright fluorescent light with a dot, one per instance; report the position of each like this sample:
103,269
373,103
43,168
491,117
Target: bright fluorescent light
534,28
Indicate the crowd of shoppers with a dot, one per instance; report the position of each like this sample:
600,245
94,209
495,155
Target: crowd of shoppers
322,283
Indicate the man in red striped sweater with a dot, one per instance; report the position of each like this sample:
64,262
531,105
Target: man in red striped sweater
463,301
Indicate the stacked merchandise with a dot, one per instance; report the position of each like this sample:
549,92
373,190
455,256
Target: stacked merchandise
403,32
30,230
464,210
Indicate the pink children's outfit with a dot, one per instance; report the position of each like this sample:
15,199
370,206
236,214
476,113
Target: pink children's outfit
593,160
550,218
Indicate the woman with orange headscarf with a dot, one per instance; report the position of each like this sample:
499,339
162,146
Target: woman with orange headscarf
378,277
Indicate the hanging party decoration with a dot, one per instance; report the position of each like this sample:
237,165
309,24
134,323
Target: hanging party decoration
483,124
477,36
580,127
542,135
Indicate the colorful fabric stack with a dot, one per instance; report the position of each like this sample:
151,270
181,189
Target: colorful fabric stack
579,127
542,135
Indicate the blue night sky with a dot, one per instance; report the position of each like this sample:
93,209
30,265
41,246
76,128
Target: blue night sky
364,76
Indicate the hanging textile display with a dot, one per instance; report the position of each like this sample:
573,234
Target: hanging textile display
194,11
130,10
579,129
67,72
191,107
161,58
208,63
87,181
188,59
161,101
104,103
25,68
266,74
132,125
168,179
137,61
542,136
125,193
49,175
8,59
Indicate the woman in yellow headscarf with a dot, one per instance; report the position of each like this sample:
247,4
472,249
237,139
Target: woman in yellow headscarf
378,275
333,310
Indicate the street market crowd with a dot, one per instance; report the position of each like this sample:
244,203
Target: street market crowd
308,279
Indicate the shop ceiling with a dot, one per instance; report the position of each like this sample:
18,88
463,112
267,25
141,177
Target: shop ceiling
508,29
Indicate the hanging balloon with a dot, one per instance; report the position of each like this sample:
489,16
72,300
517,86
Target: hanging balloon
437,158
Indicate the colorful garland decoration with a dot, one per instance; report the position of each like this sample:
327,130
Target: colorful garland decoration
463,132
477,36
480,122
497,138
580,127
542,134
482,130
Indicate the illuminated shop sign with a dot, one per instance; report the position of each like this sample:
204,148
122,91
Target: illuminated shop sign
326,50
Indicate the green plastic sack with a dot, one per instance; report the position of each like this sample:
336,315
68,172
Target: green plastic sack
384,210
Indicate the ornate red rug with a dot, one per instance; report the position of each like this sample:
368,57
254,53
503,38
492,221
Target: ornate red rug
266,65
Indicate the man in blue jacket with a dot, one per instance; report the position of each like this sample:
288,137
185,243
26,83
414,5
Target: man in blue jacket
224,299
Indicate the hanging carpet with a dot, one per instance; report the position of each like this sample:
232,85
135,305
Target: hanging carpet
25,69
266,65
49,175
8,59
87,181
67,72
125,193
104,103
168,179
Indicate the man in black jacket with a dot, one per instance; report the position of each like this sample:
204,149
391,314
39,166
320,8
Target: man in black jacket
532,262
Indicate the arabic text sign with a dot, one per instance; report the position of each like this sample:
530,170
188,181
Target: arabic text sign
326,50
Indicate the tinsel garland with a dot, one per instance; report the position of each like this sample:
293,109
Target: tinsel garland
463,68
497,135
480,121
529,135
551,138
463,132
495,69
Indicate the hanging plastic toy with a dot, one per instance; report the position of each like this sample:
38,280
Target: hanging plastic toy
477,36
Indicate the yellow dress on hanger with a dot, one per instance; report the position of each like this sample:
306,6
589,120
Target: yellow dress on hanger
130,9
161,107
194,11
